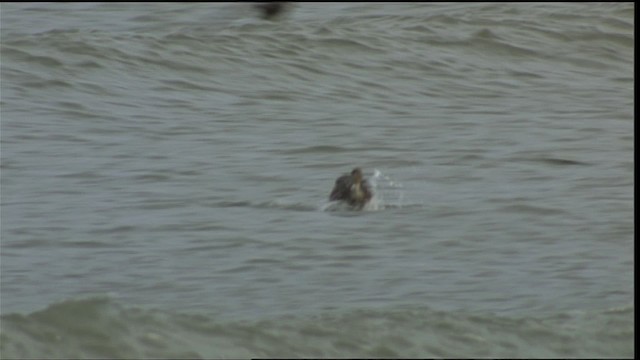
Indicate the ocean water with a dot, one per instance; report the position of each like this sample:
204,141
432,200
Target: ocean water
165,170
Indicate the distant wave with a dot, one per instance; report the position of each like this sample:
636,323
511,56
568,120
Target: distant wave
100,327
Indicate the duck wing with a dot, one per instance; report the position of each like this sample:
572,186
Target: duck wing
342,188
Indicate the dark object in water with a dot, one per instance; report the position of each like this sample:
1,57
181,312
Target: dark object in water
271,9
352,189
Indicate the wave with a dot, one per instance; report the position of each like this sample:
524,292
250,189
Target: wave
100,327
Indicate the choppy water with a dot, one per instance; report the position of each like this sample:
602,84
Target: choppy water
165,172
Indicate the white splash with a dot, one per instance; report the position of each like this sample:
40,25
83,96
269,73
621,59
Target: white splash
387,192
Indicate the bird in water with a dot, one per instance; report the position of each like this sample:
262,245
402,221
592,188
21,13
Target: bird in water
271,9
352,189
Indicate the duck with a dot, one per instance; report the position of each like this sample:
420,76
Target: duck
271,9
352,189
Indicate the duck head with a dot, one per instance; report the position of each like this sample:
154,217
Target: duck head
356,175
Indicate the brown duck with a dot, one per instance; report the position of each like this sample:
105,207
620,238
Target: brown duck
271,9
352,189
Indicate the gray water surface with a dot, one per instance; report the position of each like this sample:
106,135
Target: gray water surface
180,156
